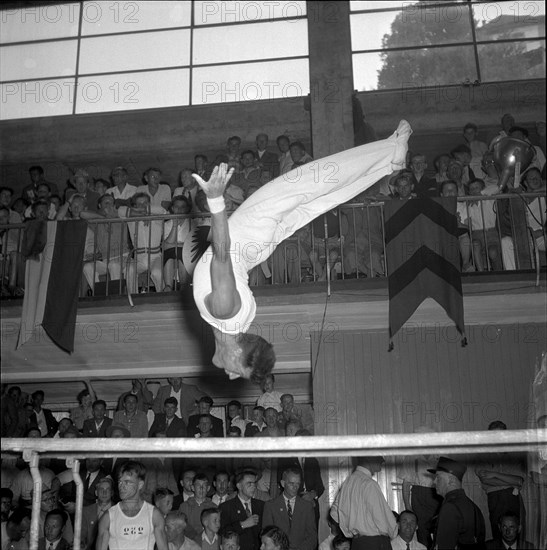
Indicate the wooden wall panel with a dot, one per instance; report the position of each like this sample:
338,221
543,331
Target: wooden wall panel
428,379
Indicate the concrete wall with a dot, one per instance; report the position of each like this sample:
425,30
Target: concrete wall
431,110
169,138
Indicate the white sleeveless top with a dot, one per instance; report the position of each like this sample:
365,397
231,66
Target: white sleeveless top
242,320
136,533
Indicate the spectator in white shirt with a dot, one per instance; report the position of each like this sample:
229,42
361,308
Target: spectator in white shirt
159,193
122,191
406,539
270,397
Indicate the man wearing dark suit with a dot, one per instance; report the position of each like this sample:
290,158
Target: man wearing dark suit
104,491
185,394
54,525
243,514
91,475
311,486
510,529
268,161
168,422
424,186
43,418
205,404
292,514
97,426
43,544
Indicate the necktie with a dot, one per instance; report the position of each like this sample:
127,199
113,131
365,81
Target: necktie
86,483
407,546
50,546
247,510
289,511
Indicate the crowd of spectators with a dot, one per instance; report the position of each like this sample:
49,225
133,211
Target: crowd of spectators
208,502
178,410
150,255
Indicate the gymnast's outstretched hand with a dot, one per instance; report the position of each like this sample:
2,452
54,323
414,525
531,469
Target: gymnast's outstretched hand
217,183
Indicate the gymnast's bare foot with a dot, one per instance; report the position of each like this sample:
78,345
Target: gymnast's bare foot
401,136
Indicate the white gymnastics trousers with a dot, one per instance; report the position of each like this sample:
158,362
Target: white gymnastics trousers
292,200
289,202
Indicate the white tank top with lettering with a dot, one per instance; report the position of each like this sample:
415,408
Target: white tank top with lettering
132,533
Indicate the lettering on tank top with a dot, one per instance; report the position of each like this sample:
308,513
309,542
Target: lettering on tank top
133,530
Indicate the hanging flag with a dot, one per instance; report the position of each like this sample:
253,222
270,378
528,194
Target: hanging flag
54,252
423,259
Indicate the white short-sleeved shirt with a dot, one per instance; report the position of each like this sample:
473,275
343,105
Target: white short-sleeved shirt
482,215
127,193
162,194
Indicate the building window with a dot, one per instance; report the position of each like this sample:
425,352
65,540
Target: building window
397,45
92,57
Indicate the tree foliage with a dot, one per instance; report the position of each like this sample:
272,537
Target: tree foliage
421,25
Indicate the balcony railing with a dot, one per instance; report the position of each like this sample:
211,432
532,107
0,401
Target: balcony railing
497,233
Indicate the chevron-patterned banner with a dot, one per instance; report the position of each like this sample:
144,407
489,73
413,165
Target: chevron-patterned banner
423,259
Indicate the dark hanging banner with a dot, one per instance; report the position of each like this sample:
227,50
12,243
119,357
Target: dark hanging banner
423,259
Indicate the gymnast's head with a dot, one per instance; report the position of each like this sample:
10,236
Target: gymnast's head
245,356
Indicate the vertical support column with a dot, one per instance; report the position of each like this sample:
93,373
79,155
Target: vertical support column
34,461
331,77
75,465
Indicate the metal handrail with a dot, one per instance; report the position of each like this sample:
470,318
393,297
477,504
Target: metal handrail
317,446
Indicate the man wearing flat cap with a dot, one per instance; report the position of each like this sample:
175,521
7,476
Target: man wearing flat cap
460,523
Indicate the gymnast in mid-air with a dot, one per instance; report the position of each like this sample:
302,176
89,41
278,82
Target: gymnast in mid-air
270,215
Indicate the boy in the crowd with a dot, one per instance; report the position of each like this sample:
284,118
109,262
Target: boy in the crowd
210,519
229,541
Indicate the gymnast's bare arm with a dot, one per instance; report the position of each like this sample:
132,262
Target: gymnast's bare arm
224,301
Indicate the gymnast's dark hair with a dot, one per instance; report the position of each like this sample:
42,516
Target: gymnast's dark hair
260,356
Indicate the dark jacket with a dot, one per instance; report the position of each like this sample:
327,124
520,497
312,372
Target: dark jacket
232,513
460,522
51,423
311,477
497,544
43,544
216,431
177,428
302,530
89,428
